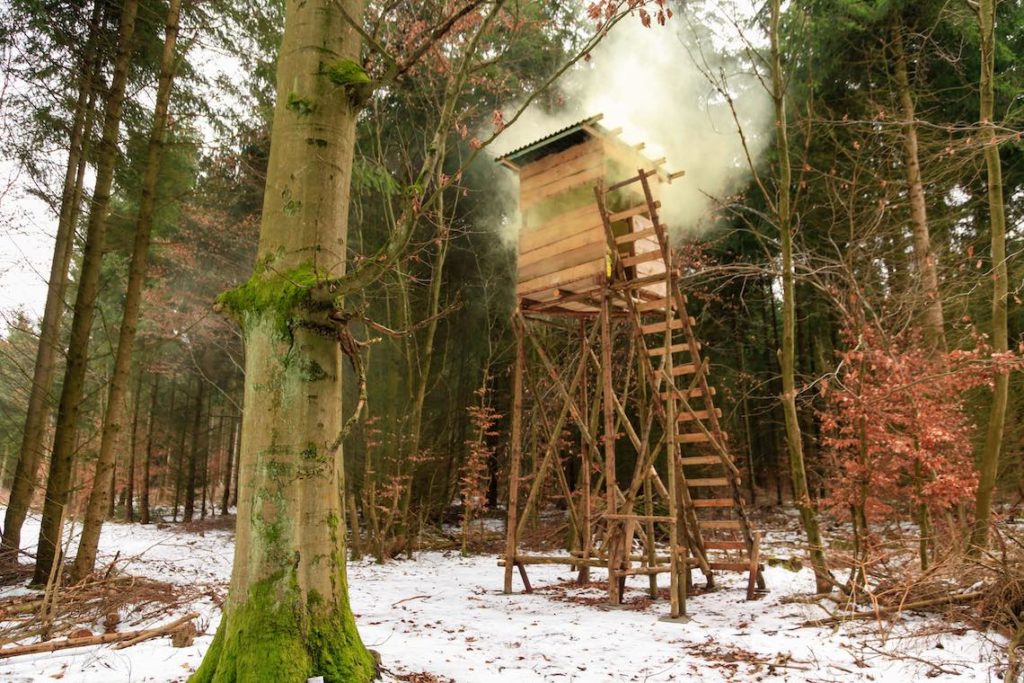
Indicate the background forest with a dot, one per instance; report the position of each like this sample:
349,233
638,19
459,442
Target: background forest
875,215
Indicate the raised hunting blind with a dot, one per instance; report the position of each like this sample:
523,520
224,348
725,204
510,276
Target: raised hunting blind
613,418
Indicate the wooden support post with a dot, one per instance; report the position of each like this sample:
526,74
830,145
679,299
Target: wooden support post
652,552
551,449
677,582
610,480
515,455
527,588
755,567
585,463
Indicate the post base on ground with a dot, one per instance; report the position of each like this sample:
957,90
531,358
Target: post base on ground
681,619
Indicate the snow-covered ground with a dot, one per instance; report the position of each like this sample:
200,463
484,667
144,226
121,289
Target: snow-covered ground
446,615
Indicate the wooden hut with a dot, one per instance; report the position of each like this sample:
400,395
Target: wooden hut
592,246
563,250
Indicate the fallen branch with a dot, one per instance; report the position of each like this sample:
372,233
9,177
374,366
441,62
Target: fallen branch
884,611
125,638
415,597
906,655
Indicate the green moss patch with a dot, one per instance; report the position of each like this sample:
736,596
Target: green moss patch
346,72
279,297
303,106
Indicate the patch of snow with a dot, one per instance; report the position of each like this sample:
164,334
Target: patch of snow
445,614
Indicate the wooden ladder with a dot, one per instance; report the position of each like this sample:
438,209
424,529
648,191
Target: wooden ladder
715,525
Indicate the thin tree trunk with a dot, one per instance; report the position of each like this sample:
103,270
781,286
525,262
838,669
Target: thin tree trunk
238,461
129,495
114,418
33,444
61,462
801,495
206,460
229,464
154,393
989,465
935,334
287,616
198,430
179,471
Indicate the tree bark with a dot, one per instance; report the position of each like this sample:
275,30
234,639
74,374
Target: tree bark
989,465
801,494
924,258
33,445
113,420
287,615
61,462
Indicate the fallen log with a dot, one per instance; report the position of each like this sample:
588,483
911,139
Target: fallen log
125,638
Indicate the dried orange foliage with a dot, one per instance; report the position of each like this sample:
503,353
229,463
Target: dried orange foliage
895,425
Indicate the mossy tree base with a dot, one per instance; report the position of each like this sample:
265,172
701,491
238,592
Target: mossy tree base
276,634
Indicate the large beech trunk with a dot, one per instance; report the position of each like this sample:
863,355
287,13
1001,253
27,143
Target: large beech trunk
33,444
287,615
61,462
114,417
989,465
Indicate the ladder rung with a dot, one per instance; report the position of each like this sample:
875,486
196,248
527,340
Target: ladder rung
645,257
713,502
725,545
656,305
641,518
634,211
685,416
630,181
684,369
692,393
641,282
730,566
720,524
634,236
659,326
674,324
714,481
644,571
676,348
700,460
698,437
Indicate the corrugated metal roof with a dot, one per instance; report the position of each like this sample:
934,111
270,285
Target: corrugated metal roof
550,138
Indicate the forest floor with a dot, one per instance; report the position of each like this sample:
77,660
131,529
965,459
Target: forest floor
443,617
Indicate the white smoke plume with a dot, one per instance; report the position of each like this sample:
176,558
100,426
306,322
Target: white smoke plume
652,83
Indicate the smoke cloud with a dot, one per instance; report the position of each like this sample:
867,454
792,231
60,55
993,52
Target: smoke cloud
652,83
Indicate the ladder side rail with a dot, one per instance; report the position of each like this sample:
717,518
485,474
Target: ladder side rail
716,429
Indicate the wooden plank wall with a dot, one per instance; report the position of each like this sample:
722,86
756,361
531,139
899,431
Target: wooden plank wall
568,248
